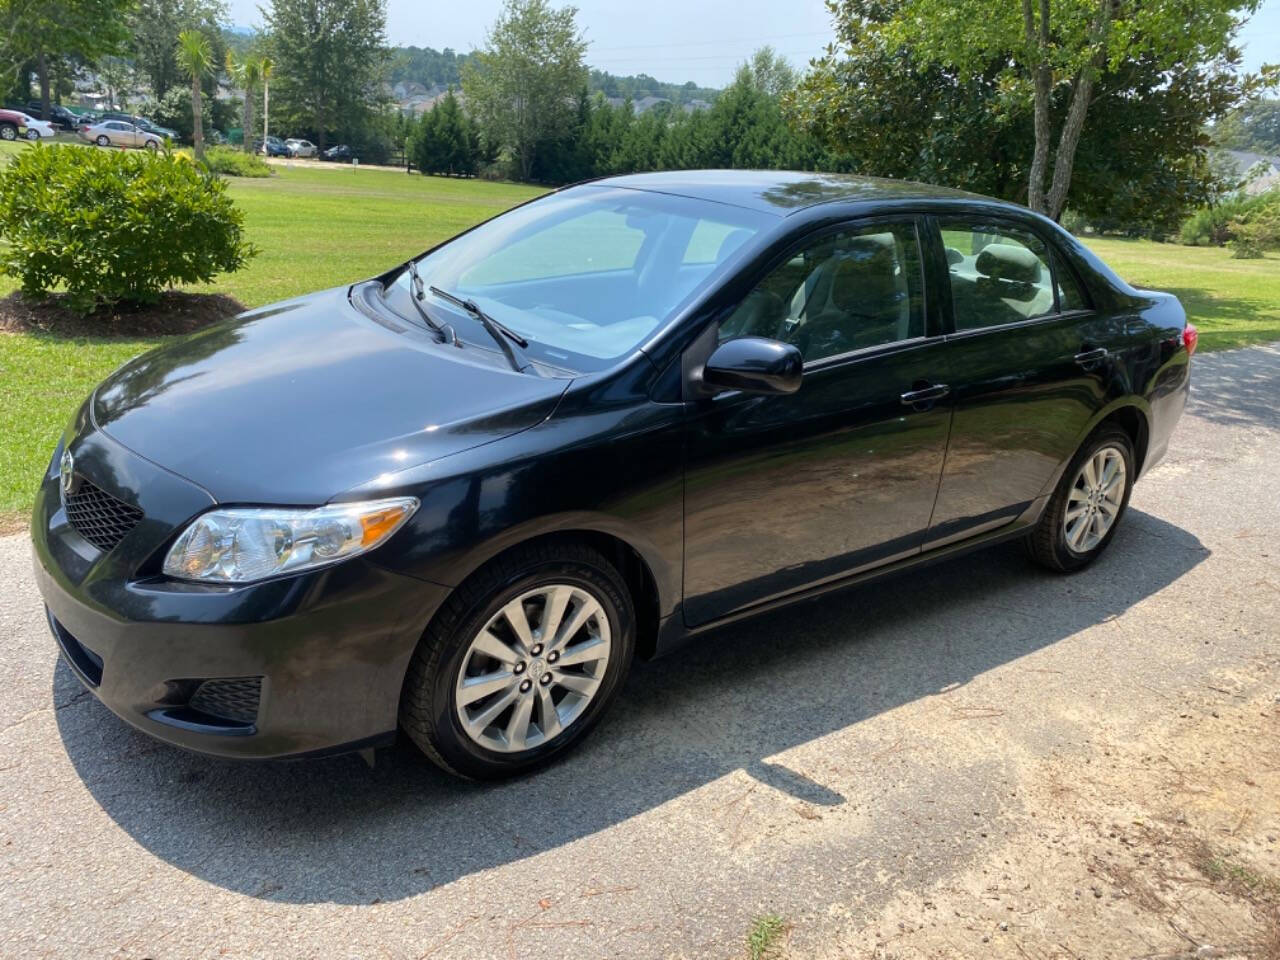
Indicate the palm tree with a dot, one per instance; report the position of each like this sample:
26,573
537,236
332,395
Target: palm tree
247,73
196,60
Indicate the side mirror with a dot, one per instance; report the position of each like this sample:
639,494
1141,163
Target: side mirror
754,365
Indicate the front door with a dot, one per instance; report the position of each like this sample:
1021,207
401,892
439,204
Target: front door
785,492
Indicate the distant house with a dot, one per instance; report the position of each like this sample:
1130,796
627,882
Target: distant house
1262,169
645,104
694,105
419,103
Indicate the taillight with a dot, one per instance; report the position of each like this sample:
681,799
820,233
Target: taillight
1190,337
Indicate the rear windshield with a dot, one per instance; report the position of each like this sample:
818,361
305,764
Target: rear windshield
585,274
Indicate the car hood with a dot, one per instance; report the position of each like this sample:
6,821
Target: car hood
295,403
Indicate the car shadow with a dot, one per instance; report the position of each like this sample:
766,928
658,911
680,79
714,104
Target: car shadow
336,831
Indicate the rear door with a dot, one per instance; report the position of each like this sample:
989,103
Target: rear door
1028,365
785,492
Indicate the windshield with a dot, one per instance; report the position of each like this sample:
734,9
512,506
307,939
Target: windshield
585,274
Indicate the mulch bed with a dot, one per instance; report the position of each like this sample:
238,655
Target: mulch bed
174,313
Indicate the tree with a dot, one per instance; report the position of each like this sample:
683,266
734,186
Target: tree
114,74
246,72
195,57
155,25
891,111
328,57
521,89
265,68
1046,49
1254,126
45,32
770,73
444,141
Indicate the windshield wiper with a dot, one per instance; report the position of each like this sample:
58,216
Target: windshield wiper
416,296
499,331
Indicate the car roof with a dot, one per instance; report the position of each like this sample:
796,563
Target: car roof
780,192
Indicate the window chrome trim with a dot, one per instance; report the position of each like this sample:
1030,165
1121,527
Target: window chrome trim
1017,324
862,353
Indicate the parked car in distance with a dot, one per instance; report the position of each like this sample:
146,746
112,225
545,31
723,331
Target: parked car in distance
340,152
59,116
143,124
119,133
300,148
16,123
274,147
611,419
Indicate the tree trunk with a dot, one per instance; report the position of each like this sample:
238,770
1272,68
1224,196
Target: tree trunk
197,109
1038,44
248,121
266,104
42,68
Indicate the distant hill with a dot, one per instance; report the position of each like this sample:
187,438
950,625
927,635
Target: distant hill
432,68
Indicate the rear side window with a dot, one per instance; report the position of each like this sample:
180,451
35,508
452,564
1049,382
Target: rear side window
998,274
1070,296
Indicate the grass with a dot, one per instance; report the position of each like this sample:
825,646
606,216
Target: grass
765,936
321,226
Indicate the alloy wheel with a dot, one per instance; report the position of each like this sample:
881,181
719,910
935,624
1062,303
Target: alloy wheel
534,668
1095,498
8,133
33,134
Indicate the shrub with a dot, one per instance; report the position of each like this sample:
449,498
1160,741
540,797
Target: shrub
1211,226
112,225
235,163
1258,229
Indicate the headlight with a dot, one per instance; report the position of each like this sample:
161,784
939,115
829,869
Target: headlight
243,544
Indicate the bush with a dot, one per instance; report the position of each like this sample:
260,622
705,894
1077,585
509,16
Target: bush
1258,229
234,163
111,225
1211,226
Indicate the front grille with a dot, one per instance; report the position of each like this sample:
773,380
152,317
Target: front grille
235,699
97,516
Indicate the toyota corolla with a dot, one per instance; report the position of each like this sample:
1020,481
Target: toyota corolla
457,499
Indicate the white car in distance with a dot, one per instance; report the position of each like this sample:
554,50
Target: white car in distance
300,148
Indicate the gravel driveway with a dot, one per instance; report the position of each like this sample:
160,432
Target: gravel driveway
816,763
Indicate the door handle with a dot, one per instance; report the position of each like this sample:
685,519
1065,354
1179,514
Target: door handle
926,394
1089,358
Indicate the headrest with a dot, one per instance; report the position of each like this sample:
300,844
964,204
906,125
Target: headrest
1009,261
954,256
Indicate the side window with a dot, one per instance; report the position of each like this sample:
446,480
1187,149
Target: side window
998,274
853,289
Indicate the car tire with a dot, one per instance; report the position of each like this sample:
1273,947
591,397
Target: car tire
1066,543
103,140
152,146
431,708
8,131
33,134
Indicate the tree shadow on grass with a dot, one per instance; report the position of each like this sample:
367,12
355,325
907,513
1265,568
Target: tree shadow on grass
333,831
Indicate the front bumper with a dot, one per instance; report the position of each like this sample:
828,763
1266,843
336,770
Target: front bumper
316,660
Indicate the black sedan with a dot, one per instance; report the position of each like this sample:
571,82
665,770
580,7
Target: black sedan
458,498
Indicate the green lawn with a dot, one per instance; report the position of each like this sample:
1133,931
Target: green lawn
324,226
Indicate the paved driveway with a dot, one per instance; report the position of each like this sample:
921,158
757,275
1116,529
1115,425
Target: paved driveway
813,763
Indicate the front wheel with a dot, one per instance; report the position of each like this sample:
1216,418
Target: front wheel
1087,505
521,661
33,134
152,146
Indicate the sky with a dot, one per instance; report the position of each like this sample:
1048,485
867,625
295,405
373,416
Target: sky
679,40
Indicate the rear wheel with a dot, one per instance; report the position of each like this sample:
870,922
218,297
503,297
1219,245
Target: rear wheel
521,662
103,140
8,131
1088,503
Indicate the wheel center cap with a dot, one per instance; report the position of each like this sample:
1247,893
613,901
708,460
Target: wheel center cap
536,669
